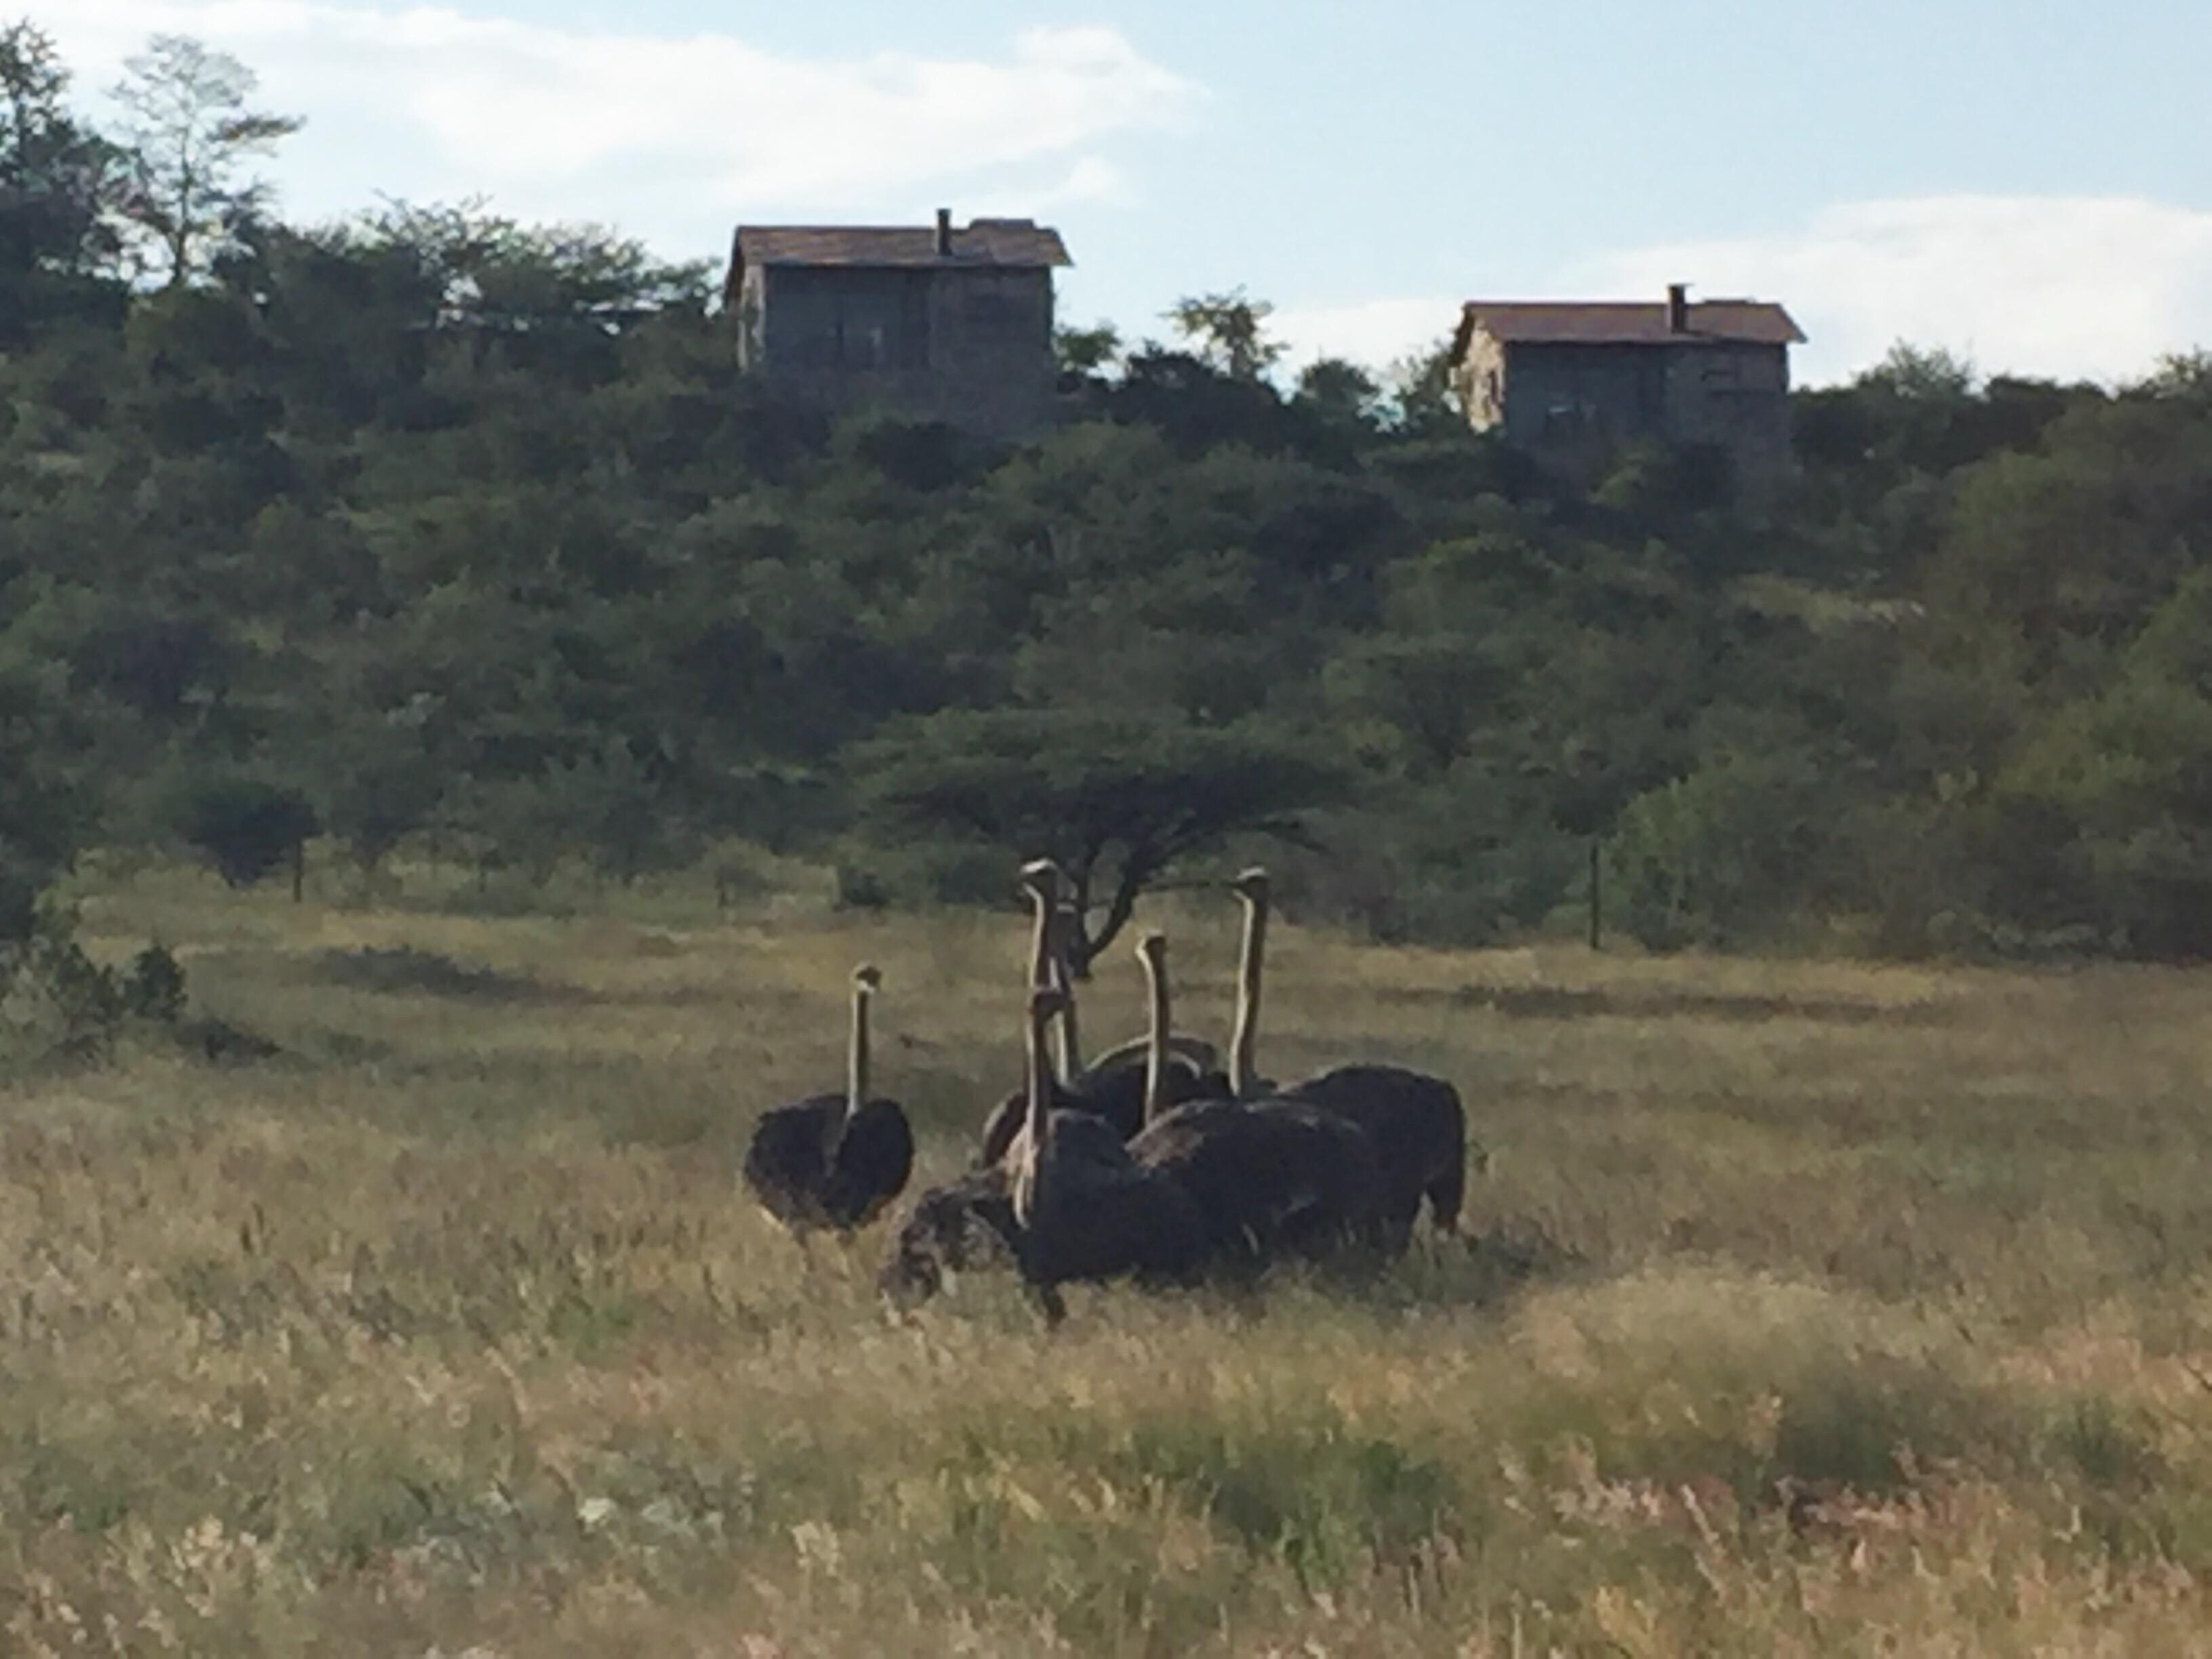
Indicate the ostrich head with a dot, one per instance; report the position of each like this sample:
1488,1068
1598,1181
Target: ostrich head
1251,885
867,978
1043,878
1152,949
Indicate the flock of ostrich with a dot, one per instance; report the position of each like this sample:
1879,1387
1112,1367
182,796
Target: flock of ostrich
1154,1164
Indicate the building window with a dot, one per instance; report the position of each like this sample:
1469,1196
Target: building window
1572,420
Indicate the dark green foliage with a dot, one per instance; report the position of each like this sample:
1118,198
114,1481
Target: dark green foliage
57,182
1118,802
61,1004
245,826
470,533
155,988
42,812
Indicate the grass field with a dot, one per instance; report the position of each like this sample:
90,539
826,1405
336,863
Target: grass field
1809,1308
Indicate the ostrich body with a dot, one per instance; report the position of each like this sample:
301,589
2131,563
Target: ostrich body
1112,1093
1415,1121
1082,1210
1419,1129
833,1160
966,1225
1267,1177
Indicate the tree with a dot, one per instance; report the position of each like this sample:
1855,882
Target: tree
1086,355
41,815
56,182
190,133
1229,332
1117,802
1341,390
244,826
496,273
2181,376
379,785
1423,402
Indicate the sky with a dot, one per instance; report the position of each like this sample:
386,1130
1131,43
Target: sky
2025,183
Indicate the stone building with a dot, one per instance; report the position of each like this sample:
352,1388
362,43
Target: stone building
939,324
1573,382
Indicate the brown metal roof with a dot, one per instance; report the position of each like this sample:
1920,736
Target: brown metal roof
1747,322
1020,243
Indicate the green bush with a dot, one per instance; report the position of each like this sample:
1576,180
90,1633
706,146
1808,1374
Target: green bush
1713,858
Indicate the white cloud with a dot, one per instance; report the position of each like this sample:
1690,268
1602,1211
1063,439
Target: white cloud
2095,288
673,139
2087,287
1376,332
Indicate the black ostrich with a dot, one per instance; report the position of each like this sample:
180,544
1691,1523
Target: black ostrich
1415,1121
1083,1211
967,1224
1268,1177
1121,1066
1113,1091
833,1160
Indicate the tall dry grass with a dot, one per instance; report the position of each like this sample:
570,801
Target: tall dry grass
1809,1308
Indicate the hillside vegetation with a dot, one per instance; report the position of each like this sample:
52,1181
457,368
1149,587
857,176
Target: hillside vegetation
1806,1308
430,530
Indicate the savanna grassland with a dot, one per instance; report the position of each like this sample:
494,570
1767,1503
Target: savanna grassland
1809,1307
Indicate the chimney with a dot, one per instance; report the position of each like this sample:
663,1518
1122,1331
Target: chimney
1678,309
944,233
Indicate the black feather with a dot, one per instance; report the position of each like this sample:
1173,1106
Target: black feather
1272,1177
1115,1094
1418,1128
808,1174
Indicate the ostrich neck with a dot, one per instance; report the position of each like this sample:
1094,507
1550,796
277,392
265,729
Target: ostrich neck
1030,1170
1246,1037
1069,1033
1039,1077
856,1058
1156,1040
1040,941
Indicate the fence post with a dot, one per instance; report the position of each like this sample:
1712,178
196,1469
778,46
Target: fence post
1596,895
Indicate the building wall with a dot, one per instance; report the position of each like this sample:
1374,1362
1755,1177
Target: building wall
1736,395
971,346
1478,381
1577,406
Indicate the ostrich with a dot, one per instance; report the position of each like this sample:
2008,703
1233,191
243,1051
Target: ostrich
1082,1209
1113,1093
1191,1055
1416,1121
833,1160
963,1226
1267,1176
968,1223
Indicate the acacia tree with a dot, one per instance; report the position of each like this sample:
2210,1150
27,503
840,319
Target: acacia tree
1229,331
190,134
1117,802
